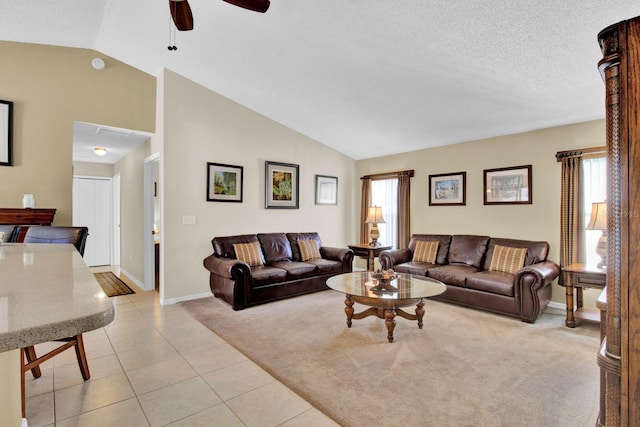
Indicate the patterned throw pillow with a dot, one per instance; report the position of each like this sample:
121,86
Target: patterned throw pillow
251,253
426,252
308,249
507,260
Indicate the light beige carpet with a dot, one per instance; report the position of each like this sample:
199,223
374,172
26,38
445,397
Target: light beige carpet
465,368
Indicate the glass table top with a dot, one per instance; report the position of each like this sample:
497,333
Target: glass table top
405,286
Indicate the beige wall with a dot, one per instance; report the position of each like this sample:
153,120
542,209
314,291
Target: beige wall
201,126
92,169
538,221
52,87
132,232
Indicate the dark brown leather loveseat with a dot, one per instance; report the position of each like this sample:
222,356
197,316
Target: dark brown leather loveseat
473,269
284,270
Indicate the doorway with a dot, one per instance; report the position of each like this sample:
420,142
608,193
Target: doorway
92,208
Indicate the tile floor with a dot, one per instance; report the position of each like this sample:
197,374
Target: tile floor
155,365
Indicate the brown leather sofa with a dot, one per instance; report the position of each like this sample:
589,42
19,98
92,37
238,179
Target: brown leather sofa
283,274
464,264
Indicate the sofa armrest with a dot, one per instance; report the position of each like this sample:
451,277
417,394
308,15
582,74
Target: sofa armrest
392,257
533,283
544,273
224,266
344,255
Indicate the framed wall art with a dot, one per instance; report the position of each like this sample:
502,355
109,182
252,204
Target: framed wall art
508,186
326,190
6,133
448,189
281,185
224,183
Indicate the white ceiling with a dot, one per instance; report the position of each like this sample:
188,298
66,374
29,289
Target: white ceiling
366,77
118,142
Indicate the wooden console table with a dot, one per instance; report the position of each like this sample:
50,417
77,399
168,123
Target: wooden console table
579,276
369,252
26,217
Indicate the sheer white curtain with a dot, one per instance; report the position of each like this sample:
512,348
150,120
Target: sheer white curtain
384,193
594,170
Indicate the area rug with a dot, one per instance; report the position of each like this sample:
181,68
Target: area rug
464,368
112,285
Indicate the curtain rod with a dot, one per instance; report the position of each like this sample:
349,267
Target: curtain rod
579,152
388,175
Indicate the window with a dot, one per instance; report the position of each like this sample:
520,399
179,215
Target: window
594,172
384,193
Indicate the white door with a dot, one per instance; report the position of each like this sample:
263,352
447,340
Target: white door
92,208
116,220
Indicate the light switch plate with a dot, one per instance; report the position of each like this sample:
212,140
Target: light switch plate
188,219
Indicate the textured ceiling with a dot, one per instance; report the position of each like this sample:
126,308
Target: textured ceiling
366,77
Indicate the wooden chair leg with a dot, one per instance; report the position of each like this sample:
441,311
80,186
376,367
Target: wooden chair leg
22,384
30,354
30,362
82,357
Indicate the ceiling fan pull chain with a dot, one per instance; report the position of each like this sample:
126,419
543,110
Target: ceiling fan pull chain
172,36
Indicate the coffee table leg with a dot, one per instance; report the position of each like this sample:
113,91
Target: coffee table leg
420,313
348,309
389,316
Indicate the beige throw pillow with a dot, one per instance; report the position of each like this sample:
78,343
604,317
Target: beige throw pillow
308,249
507,260
251,253
426,251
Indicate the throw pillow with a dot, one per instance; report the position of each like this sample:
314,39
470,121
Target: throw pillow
308,249
426,251
251,253
507,260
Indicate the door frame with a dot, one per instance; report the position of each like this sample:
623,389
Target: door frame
148,244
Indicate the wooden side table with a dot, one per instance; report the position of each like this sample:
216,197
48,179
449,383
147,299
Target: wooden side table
580,276
370,252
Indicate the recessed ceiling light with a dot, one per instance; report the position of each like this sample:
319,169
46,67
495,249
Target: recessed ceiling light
100,151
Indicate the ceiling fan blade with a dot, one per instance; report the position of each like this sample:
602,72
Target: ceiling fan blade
255,5
181,14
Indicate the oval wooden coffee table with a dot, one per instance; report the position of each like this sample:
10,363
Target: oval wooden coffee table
385,298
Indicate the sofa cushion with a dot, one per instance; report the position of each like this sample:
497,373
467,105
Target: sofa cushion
223,246
417,268
536,251
249,253
293,241
265,276
452,274
444,240
507,260
326,266
275,247
426,251
295,269
495,282
308,249
466,249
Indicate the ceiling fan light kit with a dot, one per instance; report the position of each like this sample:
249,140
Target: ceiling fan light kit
255,5
183,18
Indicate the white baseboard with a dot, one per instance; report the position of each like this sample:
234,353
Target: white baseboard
133,279
170,301
557,307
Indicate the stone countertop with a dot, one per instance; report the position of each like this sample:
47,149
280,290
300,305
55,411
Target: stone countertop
47,292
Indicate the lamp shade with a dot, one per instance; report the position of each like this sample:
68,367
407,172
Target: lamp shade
100,151
598,220
374,215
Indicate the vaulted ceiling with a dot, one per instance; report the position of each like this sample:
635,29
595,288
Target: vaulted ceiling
365,77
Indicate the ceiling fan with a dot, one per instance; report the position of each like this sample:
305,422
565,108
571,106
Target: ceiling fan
183,18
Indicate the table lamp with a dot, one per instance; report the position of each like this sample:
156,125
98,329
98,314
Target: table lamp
598,221
374,216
